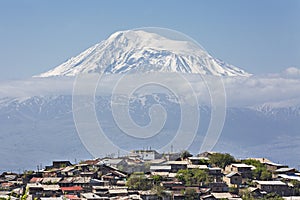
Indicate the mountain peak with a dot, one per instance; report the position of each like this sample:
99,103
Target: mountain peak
143,51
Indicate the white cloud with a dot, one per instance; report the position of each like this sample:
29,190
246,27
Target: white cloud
255,90
291,72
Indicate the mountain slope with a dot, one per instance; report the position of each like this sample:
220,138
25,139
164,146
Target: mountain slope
141,51
41,128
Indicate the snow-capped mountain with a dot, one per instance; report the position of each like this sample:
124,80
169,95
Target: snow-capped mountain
142,51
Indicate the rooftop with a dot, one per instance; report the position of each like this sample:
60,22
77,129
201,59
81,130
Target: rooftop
73,188
241,165
160,167
270,182
284,169
231,174
184,162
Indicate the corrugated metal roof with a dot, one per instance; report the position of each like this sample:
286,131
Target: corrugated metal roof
198,158
160,167
241,165
290,177
222,195
90,196
274,164
51,187
197,167
51,180
117,191
184,162
270,182
284,169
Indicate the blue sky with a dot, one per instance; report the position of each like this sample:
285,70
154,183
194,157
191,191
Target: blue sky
258,36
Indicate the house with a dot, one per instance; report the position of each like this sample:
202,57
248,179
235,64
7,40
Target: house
208,197
192,166
244,169
70,171
51,191
113,162
215,173
148,195
233,179
277,187
285,170
179,192
101,190
177,165
170,184
35,189
195,160
35,180
117,191
288,177
52,172
84,182
9,176
218,187
160,168
71,197
82,167
51,180
222,195
88,174
96,182
58,165
255,192
274,166
145,154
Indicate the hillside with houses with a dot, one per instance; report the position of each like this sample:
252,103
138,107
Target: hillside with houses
147,174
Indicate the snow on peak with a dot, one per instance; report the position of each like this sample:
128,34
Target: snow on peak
142,51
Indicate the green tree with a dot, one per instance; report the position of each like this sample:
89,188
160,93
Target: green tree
261,172
221,160
158,190
138,181
192,176
157,179
265,175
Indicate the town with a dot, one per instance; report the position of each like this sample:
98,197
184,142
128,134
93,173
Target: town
147,174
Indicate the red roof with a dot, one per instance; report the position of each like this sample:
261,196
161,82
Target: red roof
35,180
73,188
72,197
7,184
